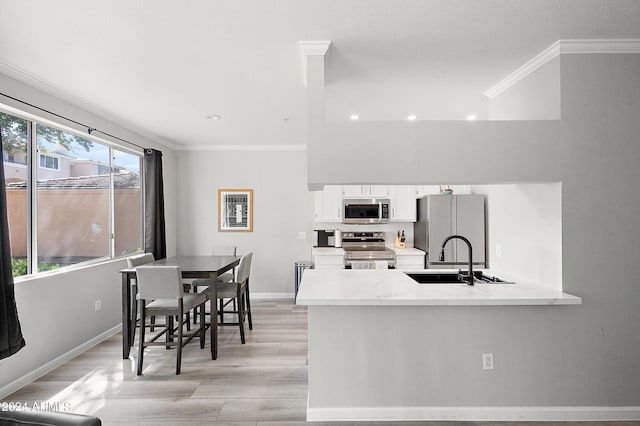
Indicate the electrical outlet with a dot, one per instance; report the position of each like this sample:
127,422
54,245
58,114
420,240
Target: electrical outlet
302,235
487,361
97,305
498,251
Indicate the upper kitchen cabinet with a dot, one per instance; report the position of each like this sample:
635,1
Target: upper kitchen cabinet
329,204
424,190
365,191
403,203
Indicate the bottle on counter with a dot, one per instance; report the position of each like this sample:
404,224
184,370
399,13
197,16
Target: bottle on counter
337,238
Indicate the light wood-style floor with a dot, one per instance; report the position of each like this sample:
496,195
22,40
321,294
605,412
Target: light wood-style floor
263,382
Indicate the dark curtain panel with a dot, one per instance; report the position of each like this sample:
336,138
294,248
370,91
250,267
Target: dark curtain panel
11,340
155,240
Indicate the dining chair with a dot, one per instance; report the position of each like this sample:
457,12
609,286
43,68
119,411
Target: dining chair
225,277
225,251
163,286
238,291
132,262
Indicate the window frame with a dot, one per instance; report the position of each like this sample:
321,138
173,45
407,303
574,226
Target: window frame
33,161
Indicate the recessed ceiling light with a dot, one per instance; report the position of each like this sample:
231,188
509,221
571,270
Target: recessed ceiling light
472,117
354,117
411,117
213,117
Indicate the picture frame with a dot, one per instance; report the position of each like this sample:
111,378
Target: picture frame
235,210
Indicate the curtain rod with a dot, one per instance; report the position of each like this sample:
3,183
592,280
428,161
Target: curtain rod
90,129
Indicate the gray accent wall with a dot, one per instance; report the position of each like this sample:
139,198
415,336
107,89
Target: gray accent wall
584,355
283,207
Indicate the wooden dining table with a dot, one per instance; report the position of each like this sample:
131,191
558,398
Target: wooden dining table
191,266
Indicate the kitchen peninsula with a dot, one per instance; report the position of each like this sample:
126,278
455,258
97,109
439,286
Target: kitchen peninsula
383,347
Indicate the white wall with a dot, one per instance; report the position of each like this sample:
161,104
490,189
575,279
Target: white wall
283,207
56,310
582,355
526,222
535,97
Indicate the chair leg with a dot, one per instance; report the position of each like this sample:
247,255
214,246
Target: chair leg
221,311
195,310
179,353
202,326
134,313
214,327
141,344
170,330
153,321
240,316
246,295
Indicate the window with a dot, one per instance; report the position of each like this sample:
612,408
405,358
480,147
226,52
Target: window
14,145
48,162
86,197
127,211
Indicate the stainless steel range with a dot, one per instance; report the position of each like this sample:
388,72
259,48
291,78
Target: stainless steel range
363,249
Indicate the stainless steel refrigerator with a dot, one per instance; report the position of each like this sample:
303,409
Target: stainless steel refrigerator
439,216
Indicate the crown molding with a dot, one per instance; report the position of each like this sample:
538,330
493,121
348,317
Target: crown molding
241,148
569,46
309,48
60,94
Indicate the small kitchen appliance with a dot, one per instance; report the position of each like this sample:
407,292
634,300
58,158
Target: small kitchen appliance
365,210
324,238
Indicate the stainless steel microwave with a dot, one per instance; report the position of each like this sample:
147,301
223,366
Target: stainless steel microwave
365,210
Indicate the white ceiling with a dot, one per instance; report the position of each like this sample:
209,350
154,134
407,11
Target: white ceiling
160,66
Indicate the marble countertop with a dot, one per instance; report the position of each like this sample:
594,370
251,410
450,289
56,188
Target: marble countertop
327,251
407,251
395,288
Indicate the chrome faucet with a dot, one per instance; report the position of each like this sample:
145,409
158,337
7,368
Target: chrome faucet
460,237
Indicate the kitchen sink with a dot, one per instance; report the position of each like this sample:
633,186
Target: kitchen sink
454,278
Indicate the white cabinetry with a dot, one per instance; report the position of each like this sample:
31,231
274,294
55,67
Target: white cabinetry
402,199
327,258
424,190
403,203
365,191
409,259
329,204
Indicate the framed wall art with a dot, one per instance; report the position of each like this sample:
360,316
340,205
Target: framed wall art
235,210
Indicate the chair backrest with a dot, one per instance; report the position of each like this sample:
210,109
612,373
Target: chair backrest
224,251
244,268
139,259
159,282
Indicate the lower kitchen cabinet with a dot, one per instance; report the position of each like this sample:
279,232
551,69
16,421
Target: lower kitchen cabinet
409,259
327,258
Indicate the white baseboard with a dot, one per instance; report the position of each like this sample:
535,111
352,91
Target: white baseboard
272,295
57,362
474,413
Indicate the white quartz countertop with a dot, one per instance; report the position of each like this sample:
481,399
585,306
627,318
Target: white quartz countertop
393,287
407,251
327,251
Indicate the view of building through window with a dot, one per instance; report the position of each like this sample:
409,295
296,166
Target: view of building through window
87,202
